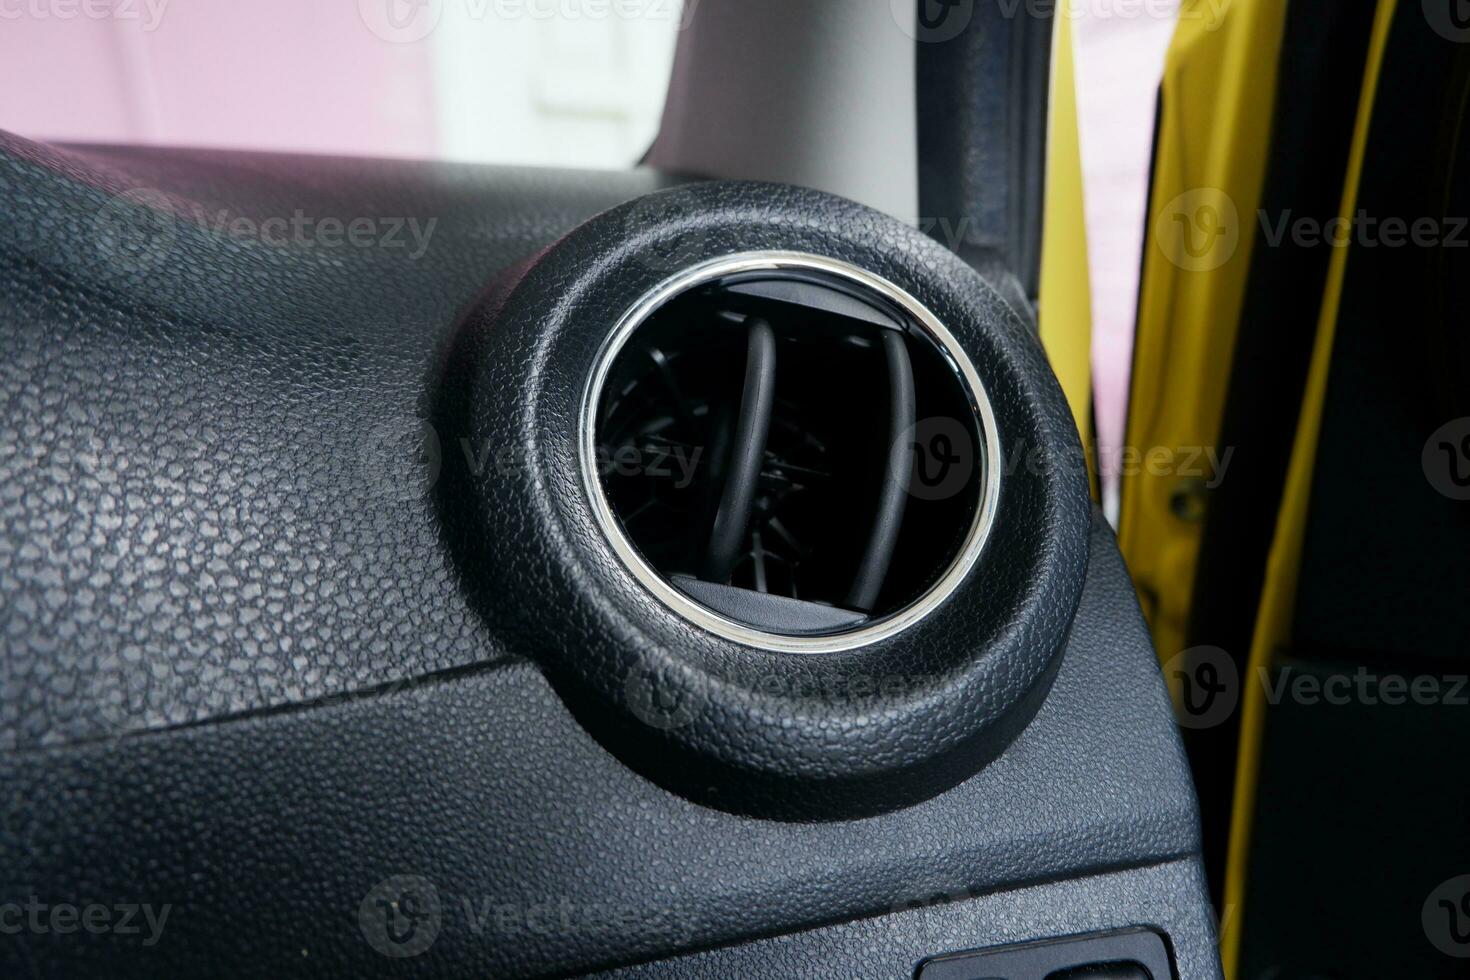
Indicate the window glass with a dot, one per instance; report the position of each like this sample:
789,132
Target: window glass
548,82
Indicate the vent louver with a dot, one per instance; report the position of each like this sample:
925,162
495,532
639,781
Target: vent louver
789,451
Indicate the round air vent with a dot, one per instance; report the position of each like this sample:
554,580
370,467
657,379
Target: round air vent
772,451
790,452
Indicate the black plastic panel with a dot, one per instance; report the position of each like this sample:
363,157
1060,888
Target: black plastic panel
268,834
1131,954
330,721
894,945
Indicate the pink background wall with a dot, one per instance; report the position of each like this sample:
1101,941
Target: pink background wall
263,74
1120,62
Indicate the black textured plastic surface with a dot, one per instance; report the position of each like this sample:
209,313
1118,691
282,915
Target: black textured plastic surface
891,946
267,834
211,492
983,92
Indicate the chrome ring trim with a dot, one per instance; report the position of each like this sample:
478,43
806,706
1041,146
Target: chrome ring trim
708,620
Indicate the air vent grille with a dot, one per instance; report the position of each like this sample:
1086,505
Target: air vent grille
789,451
